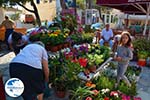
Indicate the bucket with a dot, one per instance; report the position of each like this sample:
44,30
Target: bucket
142,62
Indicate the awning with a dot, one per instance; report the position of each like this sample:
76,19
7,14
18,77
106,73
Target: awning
127,6
130,7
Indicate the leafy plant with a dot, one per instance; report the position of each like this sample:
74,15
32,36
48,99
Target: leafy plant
76,38
80,93
141,44
103,82
142,54
71,71
87,37
128,90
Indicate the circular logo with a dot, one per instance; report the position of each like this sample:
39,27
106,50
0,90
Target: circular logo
14,87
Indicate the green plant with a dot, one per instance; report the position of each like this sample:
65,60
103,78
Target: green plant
71,71
87,37
142,54
128,90
141,44
68,21
103,82
76,38
64,73
80,93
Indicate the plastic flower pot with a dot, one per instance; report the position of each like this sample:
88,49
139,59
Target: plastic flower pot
65,45
83,62
54,48
60,94
142,62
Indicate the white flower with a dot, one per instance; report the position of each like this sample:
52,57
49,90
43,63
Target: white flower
105,90
116,95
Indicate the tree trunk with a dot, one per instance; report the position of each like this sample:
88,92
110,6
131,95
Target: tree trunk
35,11
38,20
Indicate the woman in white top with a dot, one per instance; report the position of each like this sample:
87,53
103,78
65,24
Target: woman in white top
31,67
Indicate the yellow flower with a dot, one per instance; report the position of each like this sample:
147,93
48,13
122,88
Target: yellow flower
49,35
55,34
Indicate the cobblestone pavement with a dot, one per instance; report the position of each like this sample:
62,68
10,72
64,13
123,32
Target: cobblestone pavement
143,84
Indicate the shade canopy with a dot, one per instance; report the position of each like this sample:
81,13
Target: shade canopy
127,6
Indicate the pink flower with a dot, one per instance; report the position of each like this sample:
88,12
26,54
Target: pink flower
114,93
125,97
137,98
88,98
95,92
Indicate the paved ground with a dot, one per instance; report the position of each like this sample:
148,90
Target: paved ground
143,84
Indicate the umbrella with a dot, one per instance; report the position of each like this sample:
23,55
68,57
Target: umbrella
129,6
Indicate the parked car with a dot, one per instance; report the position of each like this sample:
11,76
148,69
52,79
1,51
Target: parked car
97,26
29,18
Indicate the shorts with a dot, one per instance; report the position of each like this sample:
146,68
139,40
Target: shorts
32,78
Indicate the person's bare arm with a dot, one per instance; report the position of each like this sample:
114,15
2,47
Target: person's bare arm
45,69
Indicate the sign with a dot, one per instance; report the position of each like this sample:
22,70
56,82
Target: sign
14,87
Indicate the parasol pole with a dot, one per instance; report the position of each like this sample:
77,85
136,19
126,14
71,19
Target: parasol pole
138,6
149,34
146,21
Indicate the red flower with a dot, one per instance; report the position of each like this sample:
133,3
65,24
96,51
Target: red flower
88,98
63,19
106,98
83,61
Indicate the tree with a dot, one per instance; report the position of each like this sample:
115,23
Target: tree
35,10
21,3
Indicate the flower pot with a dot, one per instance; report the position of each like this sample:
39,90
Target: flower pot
48,48
142,62
60,94
54,48
92,69
59,46
65,45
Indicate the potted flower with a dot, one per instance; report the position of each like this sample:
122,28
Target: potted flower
142,55
87,37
